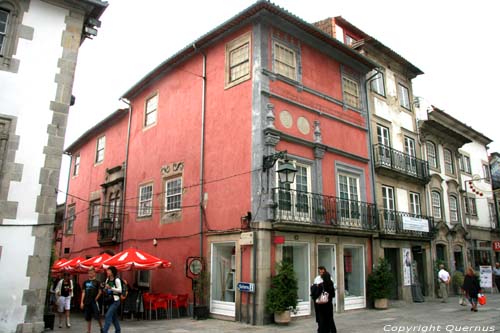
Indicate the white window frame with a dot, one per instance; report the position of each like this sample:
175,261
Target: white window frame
415,206
432,158
279,63
470,206
355,95
231,47
449,167
76,165
411,151
454,217
437,211
352,212
491,211
465,163
168,195
377,85
404,97
3,34
94,215
388,198
486,172
296,211
70,220
100,147
151,111
145,205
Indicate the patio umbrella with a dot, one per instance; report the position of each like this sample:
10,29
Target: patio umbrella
95,262
72,266
135,259
56,266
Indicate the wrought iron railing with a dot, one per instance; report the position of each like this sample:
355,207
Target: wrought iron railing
387,157
402,223
304,207
108,231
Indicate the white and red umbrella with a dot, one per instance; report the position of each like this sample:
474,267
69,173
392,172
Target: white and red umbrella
56,266
95,262
135,259
72,266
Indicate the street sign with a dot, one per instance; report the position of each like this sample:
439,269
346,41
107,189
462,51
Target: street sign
496,246
246,287
246,238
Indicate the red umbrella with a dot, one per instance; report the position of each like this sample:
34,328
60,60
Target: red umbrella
135,259
72,266
95,262
56,266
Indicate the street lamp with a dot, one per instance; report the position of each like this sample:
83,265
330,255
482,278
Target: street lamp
286,171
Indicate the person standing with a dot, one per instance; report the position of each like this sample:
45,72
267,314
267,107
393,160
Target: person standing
325,311
112,287
64,292
91,291
315,292
496,275
444,281
471,287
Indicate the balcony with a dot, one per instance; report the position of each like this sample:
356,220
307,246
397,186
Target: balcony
108,232
396,163
296,207
405,224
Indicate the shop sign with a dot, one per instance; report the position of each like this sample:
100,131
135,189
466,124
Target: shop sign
415,224
246,287
496,246
485,276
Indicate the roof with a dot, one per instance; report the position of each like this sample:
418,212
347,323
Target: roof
367,39
96,129
240,18
96,8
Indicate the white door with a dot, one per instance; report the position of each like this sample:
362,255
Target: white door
385,144
411,162
327,259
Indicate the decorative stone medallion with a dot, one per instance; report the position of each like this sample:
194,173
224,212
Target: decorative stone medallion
303,125
286,119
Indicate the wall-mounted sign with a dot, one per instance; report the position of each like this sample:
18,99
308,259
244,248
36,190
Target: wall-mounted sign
246,238
415,224
496,246
246,287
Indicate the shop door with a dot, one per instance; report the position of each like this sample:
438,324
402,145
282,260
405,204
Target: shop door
392,256
327,259
223,268
298,255
418,255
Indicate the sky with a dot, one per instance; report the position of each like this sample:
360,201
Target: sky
451,41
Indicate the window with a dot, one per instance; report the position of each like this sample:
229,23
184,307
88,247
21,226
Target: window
491,210
238,61
298,192
436,204
145,201
377,84
101,143
486,172
404,97
464,163
94,215
431,155
76,167
411,161
415,204
448,162
453,209
349,40
351,92
470,206
285,62
4,22
151,111
349,196
143,278
388,197
173,194
70,219
114,206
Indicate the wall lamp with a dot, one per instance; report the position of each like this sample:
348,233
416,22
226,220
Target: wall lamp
286,170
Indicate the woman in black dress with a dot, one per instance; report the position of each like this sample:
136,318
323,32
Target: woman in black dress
325,318
471,287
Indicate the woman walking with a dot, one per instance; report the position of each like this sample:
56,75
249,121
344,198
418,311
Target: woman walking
325,311
64,292
112,287
471,287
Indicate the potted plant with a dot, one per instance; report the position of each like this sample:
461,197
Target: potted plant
282,295
379,284
200,290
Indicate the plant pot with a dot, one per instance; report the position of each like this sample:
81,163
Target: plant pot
282,318
49,320
381,303
200,312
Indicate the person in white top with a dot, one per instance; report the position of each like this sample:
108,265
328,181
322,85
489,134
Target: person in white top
444,281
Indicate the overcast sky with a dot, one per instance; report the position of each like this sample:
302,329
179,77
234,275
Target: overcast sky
452,42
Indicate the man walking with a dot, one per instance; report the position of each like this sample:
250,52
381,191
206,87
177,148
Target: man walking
91,291
444,280
496,275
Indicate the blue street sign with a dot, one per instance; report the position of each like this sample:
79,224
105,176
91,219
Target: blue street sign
246,287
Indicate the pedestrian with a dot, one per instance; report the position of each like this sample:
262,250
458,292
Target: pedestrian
112,288
326,322
471,287
53,297
64,292
315,292
496,274
91,291
444,281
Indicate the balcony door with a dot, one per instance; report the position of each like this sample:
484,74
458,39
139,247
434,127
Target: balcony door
294,200
349,198
411,155
385,144
389,208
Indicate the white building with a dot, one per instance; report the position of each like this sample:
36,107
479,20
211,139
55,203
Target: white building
39,43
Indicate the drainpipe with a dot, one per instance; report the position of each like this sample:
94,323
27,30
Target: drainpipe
125,170
370,149
202,144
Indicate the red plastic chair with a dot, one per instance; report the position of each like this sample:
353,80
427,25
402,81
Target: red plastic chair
160,303
182,302
150,304
172,304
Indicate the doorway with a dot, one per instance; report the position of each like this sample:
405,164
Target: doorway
392,257
418,273
327,259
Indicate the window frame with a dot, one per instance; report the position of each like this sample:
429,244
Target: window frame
167,196
434,206
402,88
414,204
436,160
230,48
378,82
486,172
98,150
294,53
70,219
4,40
148,113
464,164
140,201
92,215
346,80
456,210
448,163
76,165
472,202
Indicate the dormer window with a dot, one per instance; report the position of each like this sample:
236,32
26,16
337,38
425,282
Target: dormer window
349,40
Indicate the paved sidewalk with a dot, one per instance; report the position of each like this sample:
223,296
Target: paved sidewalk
430,316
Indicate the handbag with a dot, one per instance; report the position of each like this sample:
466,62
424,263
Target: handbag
481,299
323,298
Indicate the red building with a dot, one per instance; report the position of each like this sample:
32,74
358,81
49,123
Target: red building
188,179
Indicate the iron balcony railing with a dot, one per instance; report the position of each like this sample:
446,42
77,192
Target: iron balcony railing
304,207
401,223
387,157
109,228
